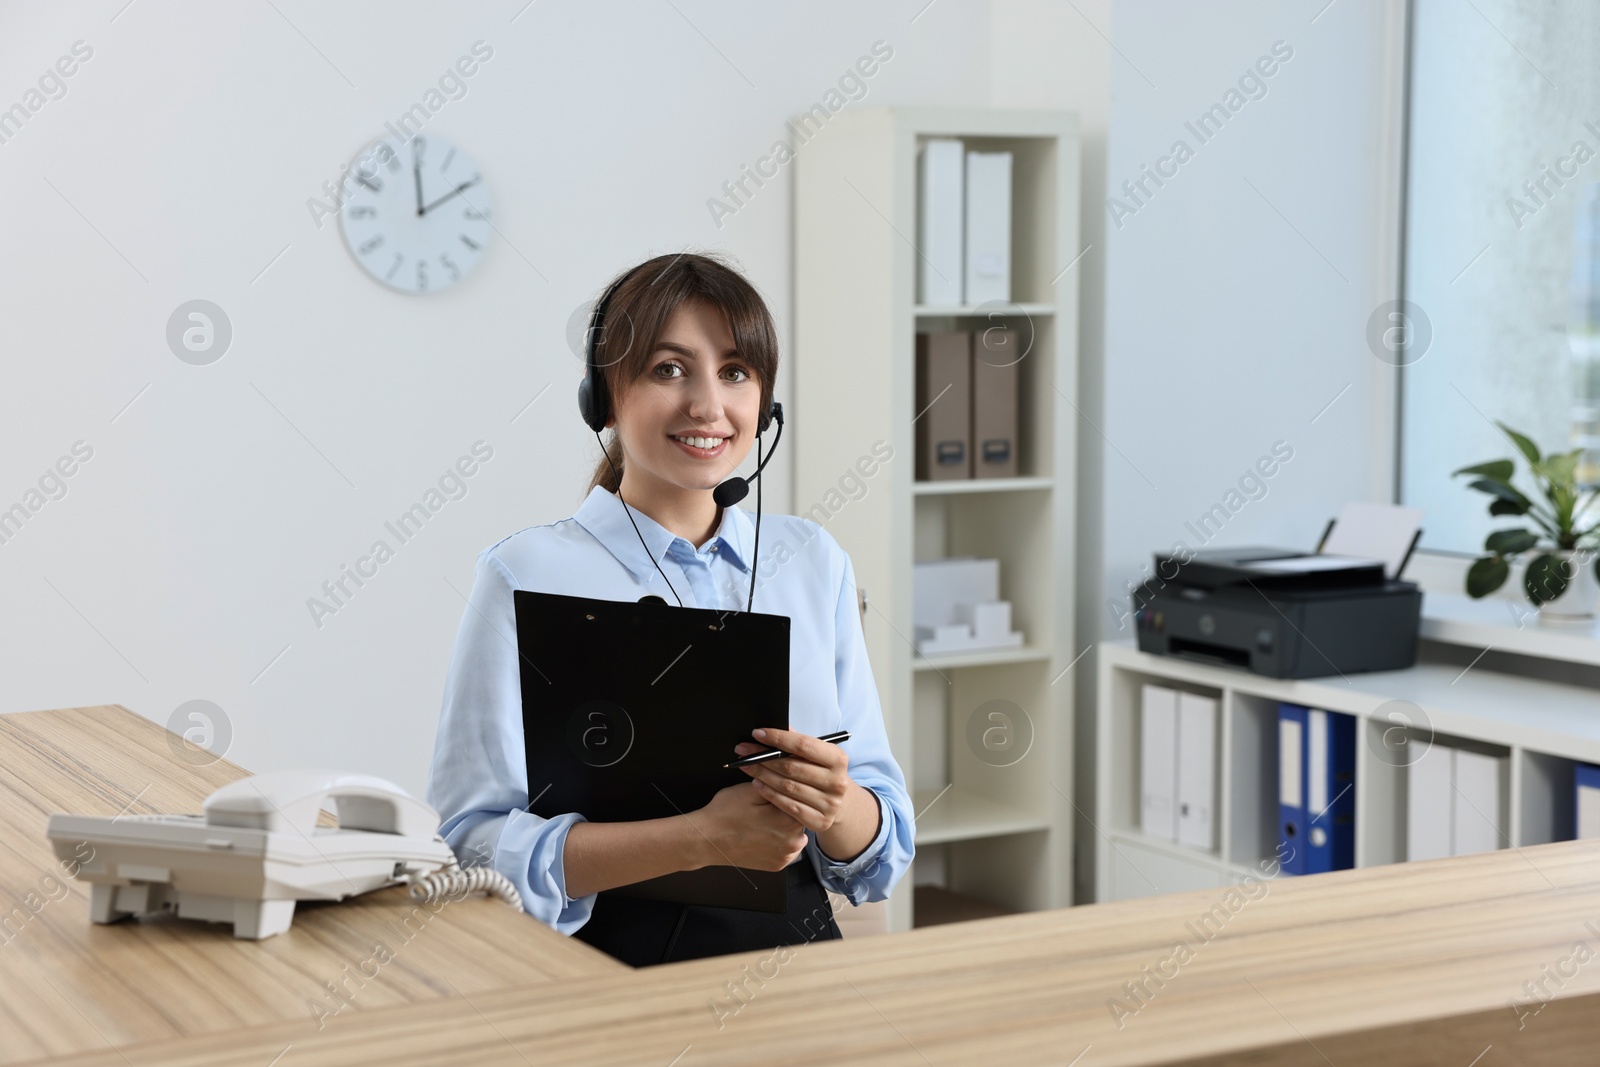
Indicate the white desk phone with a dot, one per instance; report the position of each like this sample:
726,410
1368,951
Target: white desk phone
258,850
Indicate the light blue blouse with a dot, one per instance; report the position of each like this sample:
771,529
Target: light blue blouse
478,780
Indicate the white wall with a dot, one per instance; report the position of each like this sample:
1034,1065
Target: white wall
180,560
178,565
1211,328
1237,296
1233,315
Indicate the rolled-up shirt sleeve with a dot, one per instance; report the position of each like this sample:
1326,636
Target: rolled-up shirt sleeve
875,871
478,781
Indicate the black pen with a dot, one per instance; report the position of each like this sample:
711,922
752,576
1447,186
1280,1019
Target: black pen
778,753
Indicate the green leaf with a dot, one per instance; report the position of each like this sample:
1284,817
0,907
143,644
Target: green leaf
1498,469
1502,491
1525,446
1559,470
1486,575
1508,507
1545,578
1510,542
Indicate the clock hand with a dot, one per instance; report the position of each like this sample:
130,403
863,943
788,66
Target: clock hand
416,172
454,192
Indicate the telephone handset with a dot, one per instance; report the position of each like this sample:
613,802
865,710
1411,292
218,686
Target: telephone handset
258,849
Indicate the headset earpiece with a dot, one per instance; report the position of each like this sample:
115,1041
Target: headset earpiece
594,399
586,405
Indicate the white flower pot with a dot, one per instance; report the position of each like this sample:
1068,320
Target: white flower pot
1577,604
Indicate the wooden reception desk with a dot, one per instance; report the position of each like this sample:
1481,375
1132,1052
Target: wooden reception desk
1481,960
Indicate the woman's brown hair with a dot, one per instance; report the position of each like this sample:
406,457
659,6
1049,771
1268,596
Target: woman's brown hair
637,316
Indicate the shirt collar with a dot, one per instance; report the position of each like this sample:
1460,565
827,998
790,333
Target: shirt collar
606,517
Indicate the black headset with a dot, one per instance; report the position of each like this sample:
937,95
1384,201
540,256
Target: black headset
594,404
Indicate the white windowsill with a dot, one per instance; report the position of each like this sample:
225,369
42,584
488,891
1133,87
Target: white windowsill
1504,623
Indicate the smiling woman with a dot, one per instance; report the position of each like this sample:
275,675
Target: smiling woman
680,367
647,349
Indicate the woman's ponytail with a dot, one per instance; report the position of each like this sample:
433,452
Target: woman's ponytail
605,475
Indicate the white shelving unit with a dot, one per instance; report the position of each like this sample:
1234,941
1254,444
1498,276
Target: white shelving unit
924,311
981,485
1002,835
1543,728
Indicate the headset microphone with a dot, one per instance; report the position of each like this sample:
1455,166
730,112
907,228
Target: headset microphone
734,490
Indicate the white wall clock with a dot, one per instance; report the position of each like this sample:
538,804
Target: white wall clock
416,216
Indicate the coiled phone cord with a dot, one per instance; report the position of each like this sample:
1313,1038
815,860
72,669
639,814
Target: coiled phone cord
455,882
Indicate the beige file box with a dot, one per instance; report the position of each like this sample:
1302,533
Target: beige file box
944,403
995,358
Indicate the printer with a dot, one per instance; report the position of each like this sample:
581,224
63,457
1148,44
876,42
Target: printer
1279,612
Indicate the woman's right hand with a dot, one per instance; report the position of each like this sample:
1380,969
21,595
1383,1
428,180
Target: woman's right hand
743,830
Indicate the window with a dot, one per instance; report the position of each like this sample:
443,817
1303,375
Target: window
1502,249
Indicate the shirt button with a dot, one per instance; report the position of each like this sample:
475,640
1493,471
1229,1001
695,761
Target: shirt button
713,548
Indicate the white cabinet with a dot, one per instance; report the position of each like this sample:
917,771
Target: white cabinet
1516,740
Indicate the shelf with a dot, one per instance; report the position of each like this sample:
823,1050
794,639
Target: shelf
1225,870
1500,709
1132,865
1543,798
1506,626
962,816
1170,848
935,906
981,485
932,311
982,657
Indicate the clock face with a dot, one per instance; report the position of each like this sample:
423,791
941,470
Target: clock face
416,216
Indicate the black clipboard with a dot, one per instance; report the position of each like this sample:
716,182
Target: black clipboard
629,711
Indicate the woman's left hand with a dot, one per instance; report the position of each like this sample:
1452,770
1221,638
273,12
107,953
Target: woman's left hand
812,788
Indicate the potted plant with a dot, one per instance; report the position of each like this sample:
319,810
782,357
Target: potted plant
1558,579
